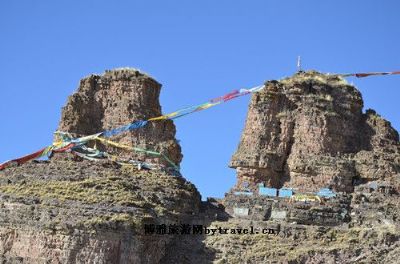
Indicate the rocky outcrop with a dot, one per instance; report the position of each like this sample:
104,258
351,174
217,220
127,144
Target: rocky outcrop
304,132
119,97
308,131
69,210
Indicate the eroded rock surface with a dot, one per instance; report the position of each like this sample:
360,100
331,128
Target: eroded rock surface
119,97
308,131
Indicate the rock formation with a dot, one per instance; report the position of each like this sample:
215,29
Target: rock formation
305,132
308,132
116,98
68,210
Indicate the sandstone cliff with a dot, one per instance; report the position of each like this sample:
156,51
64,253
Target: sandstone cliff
308,131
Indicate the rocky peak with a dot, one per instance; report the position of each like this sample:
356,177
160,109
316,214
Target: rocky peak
308,131
119,97
79,211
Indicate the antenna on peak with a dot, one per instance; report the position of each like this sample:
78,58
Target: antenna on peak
299,64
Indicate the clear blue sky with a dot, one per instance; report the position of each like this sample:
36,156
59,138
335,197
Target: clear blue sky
197,50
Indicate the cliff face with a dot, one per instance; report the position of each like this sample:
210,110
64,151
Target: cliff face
308,132
116,98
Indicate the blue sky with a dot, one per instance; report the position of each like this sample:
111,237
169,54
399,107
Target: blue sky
198,50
